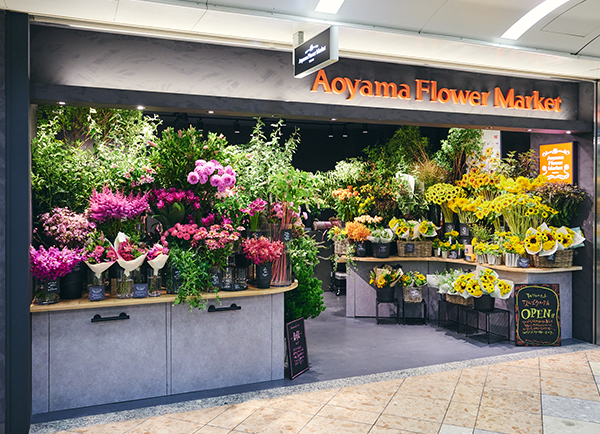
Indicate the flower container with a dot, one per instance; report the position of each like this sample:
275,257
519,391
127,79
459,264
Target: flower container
154,283
381,250
412,294
459,299
71,285
46,291
228,281
215,276
494,259
562,259
415,249
481,259
140,285
172,279
360,249
263,275
511,260
437,252
445,254
124,285
385,295
485,303
281,271
340,247
96,289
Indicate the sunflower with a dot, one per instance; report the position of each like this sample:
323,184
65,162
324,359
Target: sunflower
504,287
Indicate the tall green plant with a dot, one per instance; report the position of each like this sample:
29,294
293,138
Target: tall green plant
306,301
404,149
457,148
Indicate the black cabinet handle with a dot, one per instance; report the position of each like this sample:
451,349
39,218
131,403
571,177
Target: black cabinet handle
234,306
98,317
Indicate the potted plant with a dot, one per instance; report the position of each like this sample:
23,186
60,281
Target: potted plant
262,253
380,239
442,194
47,266
358,233
384,281
512,247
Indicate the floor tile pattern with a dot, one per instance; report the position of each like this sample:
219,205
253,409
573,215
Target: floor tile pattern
553,394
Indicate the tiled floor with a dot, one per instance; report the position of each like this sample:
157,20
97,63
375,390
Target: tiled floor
555,394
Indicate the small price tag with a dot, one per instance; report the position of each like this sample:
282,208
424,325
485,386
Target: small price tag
409,248
453,255
96,293
286,235
52,287
551,258
140,290
415,293
523,263
215,280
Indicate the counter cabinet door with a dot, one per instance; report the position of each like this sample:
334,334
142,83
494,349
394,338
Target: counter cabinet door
222,348
92,363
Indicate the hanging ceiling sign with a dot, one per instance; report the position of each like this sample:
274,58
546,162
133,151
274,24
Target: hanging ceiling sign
316,53
556,162
432,91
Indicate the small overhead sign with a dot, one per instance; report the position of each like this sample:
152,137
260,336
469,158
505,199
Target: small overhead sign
316,53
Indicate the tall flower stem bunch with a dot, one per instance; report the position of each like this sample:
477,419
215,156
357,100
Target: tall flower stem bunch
480,183
442,194
53,263
66,228
347,202
522,211
111,211
260,250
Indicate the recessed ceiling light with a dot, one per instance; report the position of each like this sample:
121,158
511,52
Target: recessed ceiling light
61,103
330,131
530,18
329,6
567,132
334,119
210,112
141,107
529,129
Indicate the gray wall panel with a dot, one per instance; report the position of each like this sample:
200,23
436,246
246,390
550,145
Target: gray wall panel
2,224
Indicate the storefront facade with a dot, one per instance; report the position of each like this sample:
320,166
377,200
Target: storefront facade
101,69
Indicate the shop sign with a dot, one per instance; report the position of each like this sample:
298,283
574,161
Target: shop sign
316,53
537,315
432,91
556,162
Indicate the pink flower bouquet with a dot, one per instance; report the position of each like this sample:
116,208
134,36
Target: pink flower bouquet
254,211
53,263
99,253
66,228
261,250
129,255
212,171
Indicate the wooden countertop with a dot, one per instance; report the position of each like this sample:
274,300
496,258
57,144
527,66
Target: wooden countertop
531,270
113,301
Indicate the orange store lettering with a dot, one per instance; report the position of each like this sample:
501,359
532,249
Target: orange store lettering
431,91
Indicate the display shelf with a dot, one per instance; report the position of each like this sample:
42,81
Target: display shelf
462,262
495,325
113,301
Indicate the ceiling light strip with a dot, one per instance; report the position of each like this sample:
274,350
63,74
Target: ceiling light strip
532,17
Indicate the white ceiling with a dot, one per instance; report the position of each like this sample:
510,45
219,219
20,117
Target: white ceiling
453,33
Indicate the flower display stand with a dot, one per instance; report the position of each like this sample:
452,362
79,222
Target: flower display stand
422,305
488,327
389,319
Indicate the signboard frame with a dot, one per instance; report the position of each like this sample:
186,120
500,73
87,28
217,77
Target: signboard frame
297,350
548,152
540,300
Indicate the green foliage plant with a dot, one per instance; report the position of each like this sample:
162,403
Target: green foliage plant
404,149
195,277
564,198
457,148
77,149
526,164
306,301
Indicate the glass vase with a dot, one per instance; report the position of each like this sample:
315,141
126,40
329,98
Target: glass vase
154,283
172,279
124,285
47,291
96,289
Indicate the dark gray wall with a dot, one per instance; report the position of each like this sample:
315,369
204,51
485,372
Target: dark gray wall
583,285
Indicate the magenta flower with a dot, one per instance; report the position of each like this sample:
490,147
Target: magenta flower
193,178
66,227
53,263
215,181
108,205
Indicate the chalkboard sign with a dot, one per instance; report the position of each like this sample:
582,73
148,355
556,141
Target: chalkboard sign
286,235
523,263
537,315
296,346
140,290
409,248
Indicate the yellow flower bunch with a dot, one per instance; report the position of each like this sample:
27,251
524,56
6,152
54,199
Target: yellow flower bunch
441,194
460,284
336,233
400,227
548,238
512,243
481,183
385,276
427,228
504,287
466,208
474,287
357,231
406,279
488,279
521,184
565,238
366,205
533,241
522,211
